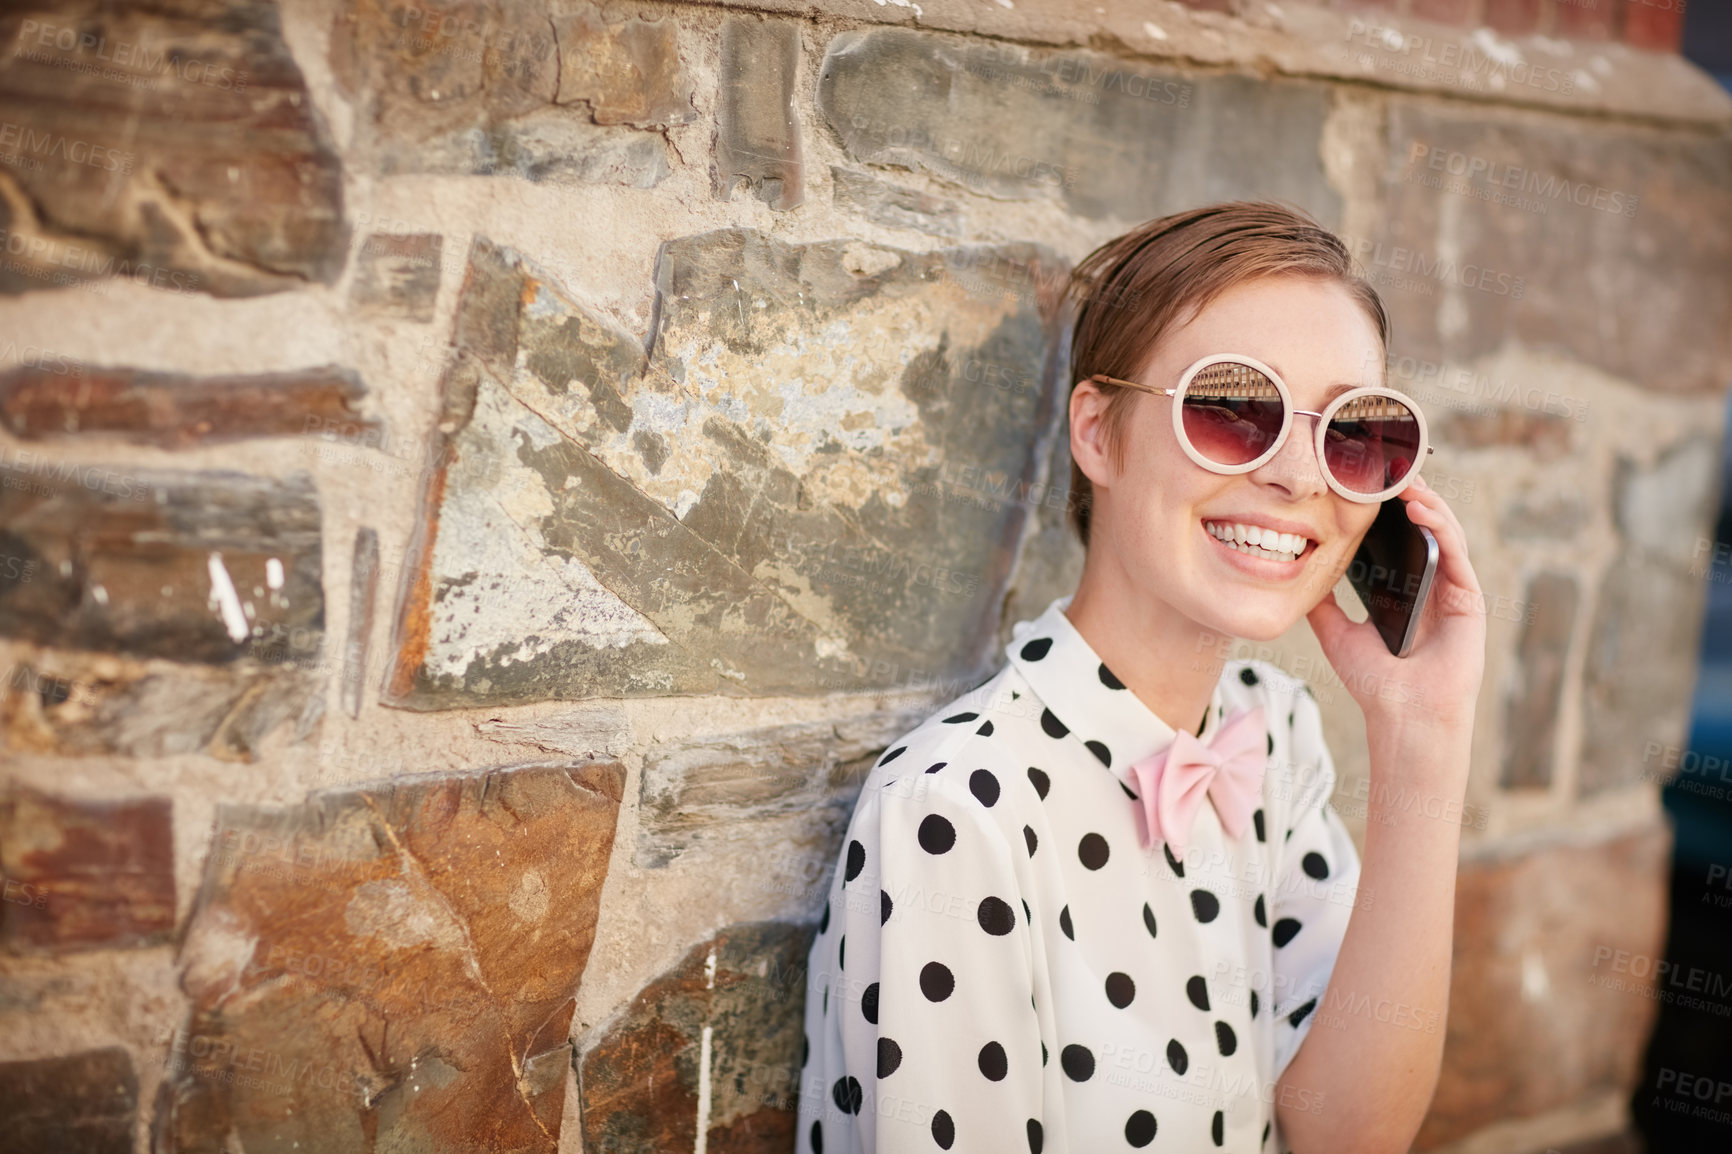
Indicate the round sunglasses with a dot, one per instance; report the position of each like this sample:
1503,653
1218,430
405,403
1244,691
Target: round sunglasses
1233,413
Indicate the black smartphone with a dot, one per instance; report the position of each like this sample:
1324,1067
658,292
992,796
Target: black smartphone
1392,574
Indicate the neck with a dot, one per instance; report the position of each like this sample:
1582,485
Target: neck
1169,661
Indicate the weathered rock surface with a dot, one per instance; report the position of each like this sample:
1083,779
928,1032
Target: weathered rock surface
1100,136
730,1010
82,1103
1528,229
204,567
1541,1011
85,874
397,276
750,509
175,410
393,967
174,143
757,130
1531,712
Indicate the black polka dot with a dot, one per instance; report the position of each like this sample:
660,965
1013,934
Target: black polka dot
1218,1127
1121,991
1177,1058
1284,930
1289,836
1225,1040
936,981
1064,923
824,922
936,766
869,1004
1261,914
1266,1127
937,835
994,1065
885,905
826,999
1149,919
1028,919
893,755
1302,1012
1052,725
984,787
805,1050
1036,1138
1036,649
1253,1003
959,718
1257,821
943,1130
995,917
842,953
1102,753
985,729
1314,865
1197,990
889,1057
1028,836
1248,676
1270,738
1140,1129
1043,1055
1178,866
1041,781
1205,905
856,862
817,1138
1108,678
847,1094
1093,850
1078,1062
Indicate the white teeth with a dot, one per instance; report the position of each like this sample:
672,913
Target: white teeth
1258,541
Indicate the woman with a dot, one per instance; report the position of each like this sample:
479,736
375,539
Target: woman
1060,922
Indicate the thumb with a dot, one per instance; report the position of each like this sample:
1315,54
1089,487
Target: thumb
1328,621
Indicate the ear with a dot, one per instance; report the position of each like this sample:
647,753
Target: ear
1088,404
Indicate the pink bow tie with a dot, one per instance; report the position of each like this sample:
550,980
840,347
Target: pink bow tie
1229,769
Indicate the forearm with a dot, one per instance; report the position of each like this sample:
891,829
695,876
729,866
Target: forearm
1376,1045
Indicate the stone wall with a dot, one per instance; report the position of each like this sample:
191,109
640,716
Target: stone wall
482,480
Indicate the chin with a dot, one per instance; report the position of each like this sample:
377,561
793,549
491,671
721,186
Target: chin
1259,625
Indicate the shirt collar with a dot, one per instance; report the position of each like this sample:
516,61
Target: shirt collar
1083,695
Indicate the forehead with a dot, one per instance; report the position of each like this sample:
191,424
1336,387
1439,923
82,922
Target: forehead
1312,332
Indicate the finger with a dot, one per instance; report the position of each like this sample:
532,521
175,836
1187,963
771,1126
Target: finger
1452,562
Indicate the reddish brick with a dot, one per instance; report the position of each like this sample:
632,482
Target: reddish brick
1513,17
1443,11
1656,25
81,1103
1586,19
85,875
1361,5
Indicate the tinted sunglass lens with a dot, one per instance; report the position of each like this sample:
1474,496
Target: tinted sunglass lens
1232,413
1371,443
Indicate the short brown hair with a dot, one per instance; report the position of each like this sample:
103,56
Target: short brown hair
1135,288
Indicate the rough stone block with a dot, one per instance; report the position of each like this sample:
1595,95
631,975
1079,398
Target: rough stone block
1667,510
1531,712
177,411
176,144
1099,135
731,1008
391,967
757,130
471,87
397,276
1598,242
82,705
83,874
363,596
205,567
1537,1018
748,510
624,68
1640,668
82,1103
1510,17
887,204
712,786
1656,27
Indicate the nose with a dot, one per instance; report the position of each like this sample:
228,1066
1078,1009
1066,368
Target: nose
1294,470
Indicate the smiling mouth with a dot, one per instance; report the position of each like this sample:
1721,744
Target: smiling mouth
1258,542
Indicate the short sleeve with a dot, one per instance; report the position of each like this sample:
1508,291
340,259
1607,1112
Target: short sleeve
1316,883
931,989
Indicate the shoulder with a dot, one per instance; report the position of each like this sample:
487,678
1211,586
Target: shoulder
1300,758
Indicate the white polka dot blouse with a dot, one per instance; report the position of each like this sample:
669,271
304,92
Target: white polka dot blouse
1001,965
